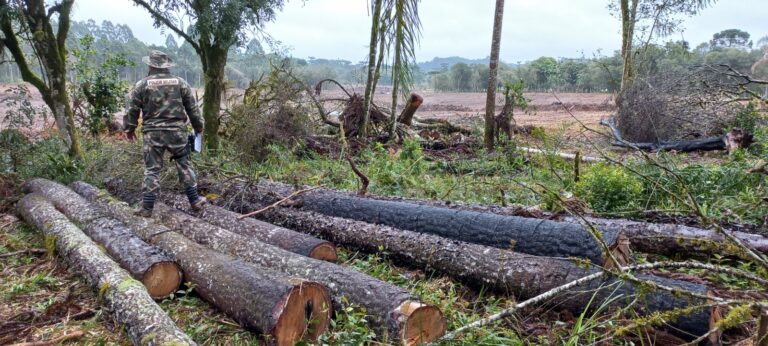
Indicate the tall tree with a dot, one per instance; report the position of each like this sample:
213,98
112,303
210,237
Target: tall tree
371,76
490,99
217,26
406,27
32,21
649,18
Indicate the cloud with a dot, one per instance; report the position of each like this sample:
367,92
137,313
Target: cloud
531,28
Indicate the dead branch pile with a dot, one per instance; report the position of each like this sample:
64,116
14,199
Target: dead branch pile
697,102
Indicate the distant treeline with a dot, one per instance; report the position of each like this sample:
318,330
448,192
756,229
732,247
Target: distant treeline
454,74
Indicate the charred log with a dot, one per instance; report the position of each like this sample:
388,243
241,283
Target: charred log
671,240
145,262
523,276
734,139
524,235
394,310
129,302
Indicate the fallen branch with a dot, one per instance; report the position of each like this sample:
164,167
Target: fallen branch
278,203
564,156
364,181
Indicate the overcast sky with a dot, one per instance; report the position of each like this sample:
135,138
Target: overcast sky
532,28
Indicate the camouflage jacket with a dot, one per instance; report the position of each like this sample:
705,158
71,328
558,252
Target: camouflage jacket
164,101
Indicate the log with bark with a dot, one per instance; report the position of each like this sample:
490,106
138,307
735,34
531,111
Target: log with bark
300,243
283,308
394,311
730,141
126,299
523,276
524,235
671,240
145,262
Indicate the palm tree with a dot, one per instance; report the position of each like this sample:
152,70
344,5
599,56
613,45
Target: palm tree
490,100
367,99
405,36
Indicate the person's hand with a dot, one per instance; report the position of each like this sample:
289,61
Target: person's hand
131,136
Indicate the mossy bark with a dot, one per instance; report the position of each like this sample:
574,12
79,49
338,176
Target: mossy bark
253,295
144,261
126,299
382,301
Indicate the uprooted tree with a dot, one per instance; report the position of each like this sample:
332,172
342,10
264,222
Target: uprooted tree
695,104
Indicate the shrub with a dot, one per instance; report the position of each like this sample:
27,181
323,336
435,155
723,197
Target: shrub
609,188
272,113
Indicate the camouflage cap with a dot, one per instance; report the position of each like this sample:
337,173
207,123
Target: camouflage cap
158,59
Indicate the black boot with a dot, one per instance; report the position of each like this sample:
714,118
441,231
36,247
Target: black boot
195,201
147,204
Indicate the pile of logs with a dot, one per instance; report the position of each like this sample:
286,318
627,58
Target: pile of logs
471,246
273,274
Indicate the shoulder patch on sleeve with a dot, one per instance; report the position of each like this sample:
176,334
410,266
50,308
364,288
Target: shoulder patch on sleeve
162,82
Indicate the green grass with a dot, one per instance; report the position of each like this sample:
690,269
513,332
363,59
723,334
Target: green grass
503,177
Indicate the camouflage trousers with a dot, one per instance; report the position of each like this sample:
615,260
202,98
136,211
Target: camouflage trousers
155,145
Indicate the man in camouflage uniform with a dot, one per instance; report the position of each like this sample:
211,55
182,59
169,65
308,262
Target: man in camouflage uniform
165,102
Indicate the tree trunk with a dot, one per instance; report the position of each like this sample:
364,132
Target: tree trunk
51,53
397,66
283,238
145,322
394,311
628,10
730,141
524,235
145,262
523,276
368,96
406,117
670,240
215,63
490,100
284,308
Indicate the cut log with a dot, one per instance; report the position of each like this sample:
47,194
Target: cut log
737,138
388,305
145,262
669,240
414,102
523,276
127,300
266,301
300,243
524,235
564,156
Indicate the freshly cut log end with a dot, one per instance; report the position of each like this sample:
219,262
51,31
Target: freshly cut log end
122,296
715,315
620,251
145,262
381,300
305,315
162,279
325,252
423,323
